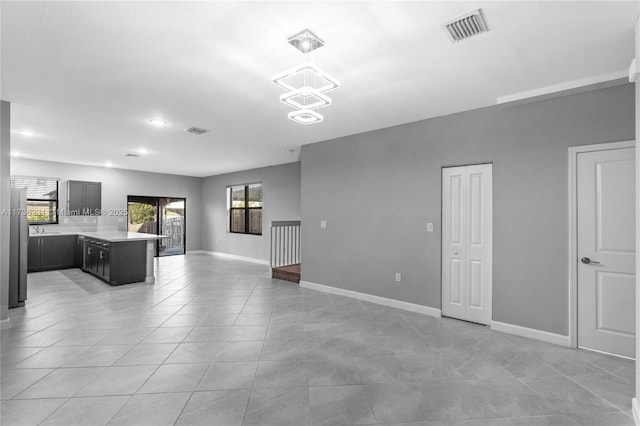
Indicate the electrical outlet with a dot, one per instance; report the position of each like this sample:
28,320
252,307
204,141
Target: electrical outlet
85,220
429,226
323,224
398,277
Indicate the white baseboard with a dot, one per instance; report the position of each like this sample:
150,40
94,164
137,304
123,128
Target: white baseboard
636,410
531,333
426,310
230,256
197,252
5,324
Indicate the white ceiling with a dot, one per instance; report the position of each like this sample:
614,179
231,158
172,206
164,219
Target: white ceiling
87,76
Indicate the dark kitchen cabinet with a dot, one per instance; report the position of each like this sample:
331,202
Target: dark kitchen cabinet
117,263
103,269
104,262
33,254
51,252
79,253
84,198
90,256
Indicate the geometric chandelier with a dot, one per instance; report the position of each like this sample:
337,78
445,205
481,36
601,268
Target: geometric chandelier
306,84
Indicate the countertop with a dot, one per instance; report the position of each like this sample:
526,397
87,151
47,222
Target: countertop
111,236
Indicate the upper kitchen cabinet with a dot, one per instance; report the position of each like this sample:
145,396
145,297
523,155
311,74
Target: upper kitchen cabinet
84,197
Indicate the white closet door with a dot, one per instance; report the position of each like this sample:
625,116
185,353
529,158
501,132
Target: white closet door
454,197
467,242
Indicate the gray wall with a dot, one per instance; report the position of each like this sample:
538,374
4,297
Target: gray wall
378,190
281,201
116,185
5,203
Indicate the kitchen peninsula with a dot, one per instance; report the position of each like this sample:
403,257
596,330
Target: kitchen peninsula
114,257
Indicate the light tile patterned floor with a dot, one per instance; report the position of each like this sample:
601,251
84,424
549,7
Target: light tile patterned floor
218,342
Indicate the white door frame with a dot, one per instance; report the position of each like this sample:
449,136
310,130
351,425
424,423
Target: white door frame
573,228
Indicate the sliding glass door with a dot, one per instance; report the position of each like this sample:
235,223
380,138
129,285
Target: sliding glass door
172,224
160,216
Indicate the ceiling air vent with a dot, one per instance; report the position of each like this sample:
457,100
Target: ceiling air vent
466,26
196,130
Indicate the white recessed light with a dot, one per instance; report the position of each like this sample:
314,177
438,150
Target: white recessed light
27,133
108,164
158,122
16,154
143,151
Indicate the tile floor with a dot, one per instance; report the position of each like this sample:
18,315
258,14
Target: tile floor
218,342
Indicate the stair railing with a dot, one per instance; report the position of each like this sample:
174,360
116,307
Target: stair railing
285,243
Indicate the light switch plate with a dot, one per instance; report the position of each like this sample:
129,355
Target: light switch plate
323,224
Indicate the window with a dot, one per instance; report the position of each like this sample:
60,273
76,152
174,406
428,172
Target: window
42,198
245,208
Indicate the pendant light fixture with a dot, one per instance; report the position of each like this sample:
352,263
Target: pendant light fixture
306,84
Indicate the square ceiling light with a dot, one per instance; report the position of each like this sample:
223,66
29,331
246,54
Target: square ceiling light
306,83
305,98
305,116
306,41
307,74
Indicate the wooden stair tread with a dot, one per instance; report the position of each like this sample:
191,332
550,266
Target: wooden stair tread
287,273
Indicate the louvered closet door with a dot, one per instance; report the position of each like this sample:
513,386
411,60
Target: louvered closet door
467,242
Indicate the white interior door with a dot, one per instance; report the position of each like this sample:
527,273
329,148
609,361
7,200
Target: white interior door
467,242
606,251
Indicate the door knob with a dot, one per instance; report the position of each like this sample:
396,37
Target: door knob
588,261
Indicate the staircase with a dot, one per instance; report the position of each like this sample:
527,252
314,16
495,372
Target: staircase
285,250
